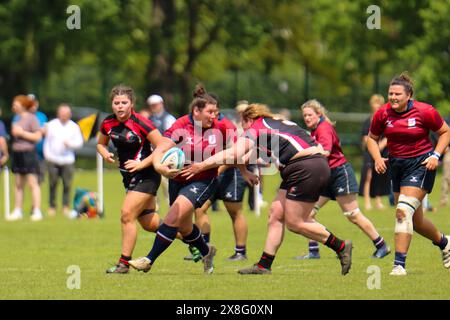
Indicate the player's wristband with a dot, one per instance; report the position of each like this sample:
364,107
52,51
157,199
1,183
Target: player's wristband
436,154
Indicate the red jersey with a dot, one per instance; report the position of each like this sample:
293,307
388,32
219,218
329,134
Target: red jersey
129,137
230,128
283,139
326,135
407,132
197,143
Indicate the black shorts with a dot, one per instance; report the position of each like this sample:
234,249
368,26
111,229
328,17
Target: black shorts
25,162
196,191
231,186
342,182
410,172
145,181
305,178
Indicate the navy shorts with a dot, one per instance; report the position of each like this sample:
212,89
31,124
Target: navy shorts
410,172
196,191
304,178
342,182
145,181
231,186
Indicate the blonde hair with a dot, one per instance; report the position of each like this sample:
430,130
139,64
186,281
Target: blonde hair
376,98
318,108
256,110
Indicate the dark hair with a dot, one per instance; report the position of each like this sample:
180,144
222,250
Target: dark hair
405,81
201,98
122,90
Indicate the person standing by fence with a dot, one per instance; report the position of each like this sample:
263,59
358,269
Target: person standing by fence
62,137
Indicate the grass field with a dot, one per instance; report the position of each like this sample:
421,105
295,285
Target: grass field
37,255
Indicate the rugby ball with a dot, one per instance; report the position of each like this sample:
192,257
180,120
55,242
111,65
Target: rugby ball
173,158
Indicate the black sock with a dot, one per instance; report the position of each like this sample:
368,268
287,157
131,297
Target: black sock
124,259
164,238
442,243
195,239
379,242
240,249
266,261
335,243
206,237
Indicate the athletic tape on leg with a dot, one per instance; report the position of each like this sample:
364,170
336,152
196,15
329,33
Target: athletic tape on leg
408,205
352,213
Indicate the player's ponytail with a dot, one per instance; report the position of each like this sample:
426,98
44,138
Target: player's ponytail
256,110
201,98
403,80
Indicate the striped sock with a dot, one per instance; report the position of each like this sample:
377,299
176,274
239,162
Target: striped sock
195,239
335,243
266,261
313,247
400,259
442,243
164,238
379,242
240,249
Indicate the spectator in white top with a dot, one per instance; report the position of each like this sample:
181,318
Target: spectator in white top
63,136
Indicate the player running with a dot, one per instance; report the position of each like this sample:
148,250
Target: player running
342,185
199,135
132,135
406,124
304,171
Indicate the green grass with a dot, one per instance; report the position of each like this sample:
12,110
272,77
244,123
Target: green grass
36,256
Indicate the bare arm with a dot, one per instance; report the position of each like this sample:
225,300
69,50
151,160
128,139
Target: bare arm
374,150
102,148
19,132
432,162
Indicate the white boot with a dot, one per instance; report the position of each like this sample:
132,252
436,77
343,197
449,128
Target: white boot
36,215
15,215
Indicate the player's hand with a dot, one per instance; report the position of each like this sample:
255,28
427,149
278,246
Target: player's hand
431,163
251,178
133,165
191,170
380,165
167,172
109,157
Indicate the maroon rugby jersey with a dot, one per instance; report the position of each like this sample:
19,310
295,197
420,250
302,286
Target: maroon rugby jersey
407,133
282,138
197,143
129,137
231,130
326,135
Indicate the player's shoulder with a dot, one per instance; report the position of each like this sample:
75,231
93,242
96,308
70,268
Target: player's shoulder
423,106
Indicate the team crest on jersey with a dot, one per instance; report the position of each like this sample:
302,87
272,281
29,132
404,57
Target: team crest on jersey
389,124
212,139
189,140
411,122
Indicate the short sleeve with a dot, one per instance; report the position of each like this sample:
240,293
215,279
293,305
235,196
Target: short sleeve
432,119
103,129
2,130
377,125
324,136
176,132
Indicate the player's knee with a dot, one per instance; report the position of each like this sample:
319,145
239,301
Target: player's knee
404,214
352,215
126,216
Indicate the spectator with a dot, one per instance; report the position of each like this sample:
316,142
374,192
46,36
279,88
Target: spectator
3,144
25,132
372,184
63,136
445,182
162,120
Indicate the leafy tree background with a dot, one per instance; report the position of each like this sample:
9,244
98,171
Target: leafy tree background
277,52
